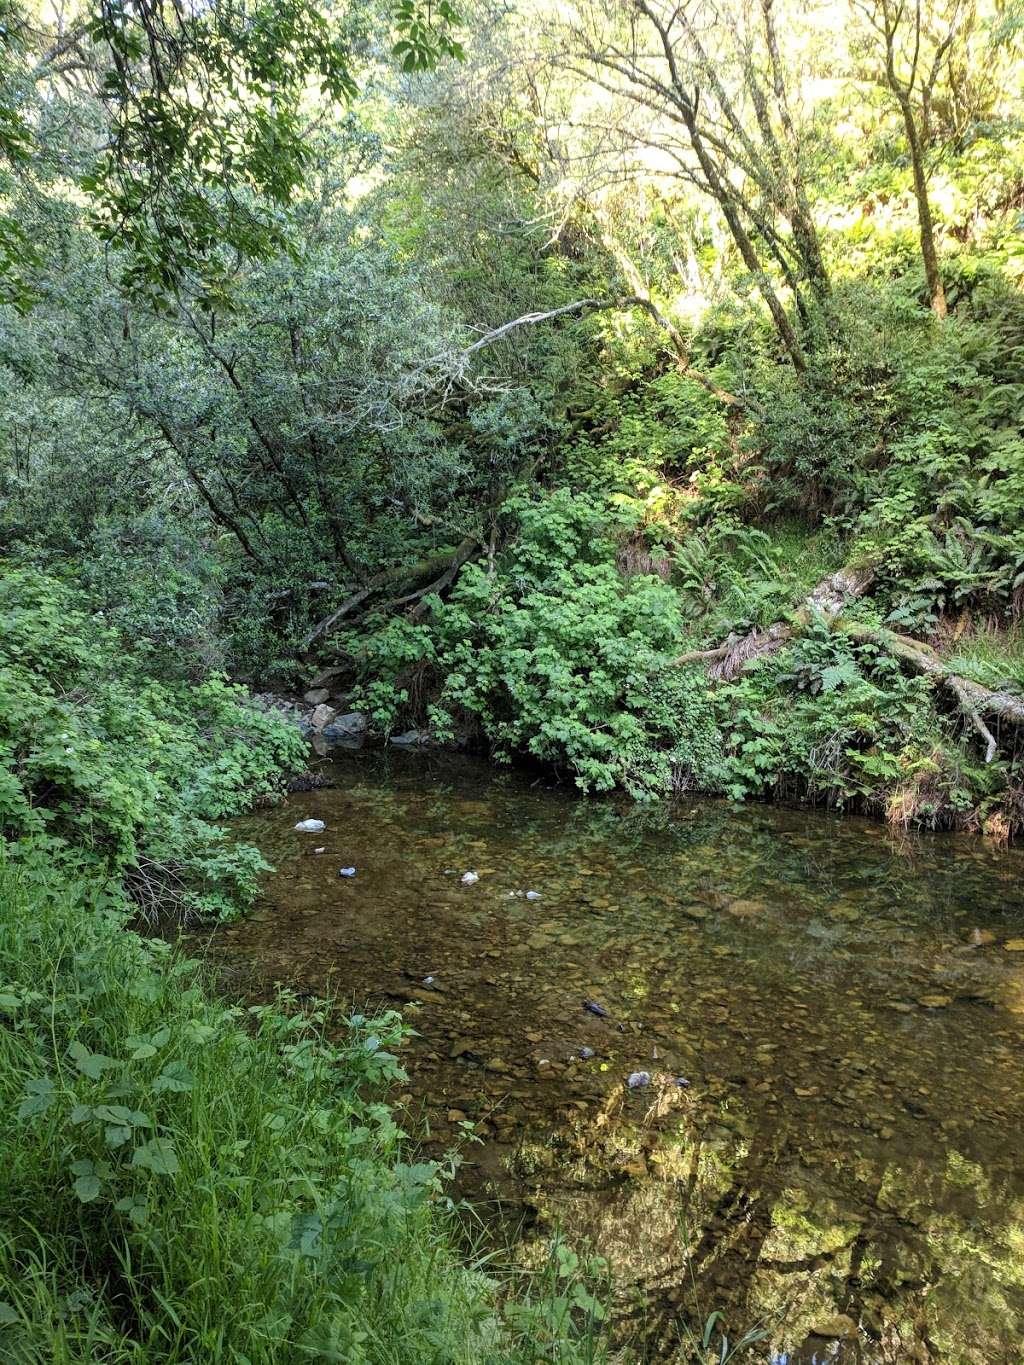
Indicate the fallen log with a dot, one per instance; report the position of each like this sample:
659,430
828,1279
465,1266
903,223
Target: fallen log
827,602
975,699
447,563
829,597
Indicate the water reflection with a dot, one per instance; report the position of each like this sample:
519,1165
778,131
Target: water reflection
832,1025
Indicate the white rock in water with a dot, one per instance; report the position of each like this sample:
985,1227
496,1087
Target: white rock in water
320,850
637,1079
533,895
310,827
468,878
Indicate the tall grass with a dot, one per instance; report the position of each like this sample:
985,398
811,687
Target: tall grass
185,1181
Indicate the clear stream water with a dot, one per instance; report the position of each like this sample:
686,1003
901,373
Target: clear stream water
845,1162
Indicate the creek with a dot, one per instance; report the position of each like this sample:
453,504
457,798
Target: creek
831,1019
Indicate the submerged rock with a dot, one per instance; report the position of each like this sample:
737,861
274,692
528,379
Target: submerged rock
595,1008
746,909
469,878
351,725
980,938
310,827
346,872
834,1329
410,738
636,1080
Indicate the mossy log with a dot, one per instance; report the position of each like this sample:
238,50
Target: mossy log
828,601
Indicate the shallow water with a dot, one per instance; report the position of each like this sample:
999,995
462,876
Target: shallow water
844,1162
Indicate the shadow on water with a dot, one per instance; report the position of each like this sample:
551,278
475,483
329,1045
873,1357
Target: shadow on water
832,1024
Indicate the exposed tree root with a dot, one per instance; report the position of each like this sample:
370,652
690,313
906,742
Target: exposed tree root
975,699
827,601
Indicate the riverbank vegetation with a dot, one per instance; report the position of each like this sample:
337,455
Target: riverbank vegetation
637,391
557,350
183,1179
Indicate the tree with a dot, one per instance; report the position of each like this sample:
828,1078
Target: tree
915,42
205,116
711,108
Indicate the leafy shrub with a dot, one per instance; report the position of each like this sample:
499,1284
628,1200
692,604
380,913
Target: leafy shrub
558,655
105,769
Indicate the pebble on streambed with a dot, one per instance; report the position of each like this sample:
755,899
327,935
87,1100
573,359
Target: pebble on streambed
310,827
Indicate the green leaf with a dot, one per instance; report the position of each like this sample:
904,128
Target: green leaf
87,1187
175,1077
91,1064
8,1315
136,1208
120,1114
157,1155
38,1099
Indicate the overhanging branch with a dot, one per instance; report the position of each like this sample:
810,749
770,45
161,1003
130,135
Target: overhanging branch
459,363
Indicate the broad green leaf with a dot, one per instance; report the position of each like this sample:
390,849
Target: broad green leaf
38,1099
157,1155
175,1077
87,1187
91,1064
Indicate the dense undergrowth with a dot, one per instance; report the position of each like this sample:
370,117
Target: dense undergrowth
184,1179
560,352
511,543
664,528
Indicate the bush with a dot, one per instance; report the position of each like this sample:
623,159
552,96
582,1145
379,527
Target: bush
106,770
558,656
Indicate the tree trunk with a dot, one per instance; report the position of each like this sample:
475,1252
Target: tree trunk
805,233
746,247
936,292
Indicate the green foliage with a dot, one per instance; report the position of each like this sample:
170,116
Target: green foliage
149,581
834,721
205,130
650,442
557,655
103,768
166,1158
